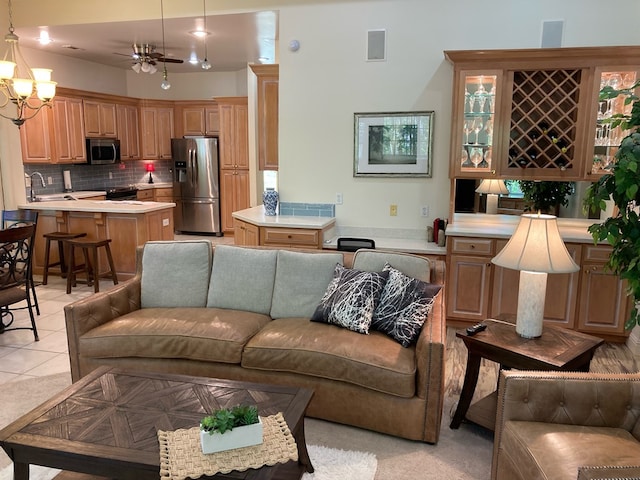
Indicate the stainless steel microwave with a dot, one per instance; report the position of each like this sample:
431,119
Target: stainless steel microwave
103,151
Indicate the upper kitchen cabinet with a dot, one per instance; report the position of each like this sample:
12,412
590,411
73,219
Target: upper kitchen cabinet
128,132
197,118
157,130
68,127
55,135
100,119
267,131
234,138
528,114
604,140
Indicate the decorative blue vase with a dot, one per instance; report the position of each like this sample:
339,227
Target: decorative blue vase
270,201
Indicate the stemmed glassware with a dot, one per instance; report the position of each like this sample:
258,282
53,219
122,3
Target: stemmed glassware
477,126
476,156
467,128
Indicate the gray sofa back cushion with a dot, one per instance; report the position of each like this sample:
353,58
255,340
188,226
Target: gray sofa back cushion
301,280
411,265
242,279
175,274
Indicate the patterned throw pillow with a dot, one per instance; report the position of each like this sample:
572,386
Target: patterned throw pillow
350,299
404,306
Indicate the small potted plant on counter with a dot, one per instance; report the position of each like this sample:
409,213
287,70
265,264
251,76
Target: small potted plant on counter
546,196
230,428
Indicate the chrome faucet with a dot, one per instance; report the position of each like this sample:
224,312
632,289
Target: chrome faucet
32,197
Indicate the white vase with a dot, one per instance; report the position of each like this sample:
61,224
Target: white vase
239,437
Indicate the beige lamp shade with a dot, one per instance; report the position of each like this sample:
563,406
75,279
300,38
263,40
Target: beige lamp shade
536,246
492,186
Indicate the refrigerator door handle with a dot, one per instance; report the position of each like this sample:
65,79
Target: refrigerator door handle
195,166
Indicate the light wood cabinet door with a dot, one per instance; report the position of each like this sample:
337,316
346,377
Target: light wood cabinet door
234,195
267,130
245,234
68,131
560,298
212,120
193,120
234,136
35,138
128,132
165,132
100,119
468,287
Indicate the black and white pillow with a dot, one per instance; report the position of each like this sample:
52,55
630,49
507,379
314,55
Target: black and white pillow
350,299
404,306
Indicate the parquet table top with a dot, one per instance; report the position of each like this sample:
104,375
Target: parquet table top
106,424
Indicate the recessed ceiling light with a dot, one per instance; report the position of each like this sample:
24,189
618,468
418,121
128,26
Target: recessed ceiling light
199,33
44,38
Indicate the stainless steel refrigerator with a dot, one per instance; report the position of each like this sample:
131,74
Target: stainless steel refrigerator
196,185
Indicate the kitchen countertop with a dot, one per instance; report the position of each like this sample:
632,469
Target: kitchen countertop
407,245
256,216
148,186
60,196
98,206
503,226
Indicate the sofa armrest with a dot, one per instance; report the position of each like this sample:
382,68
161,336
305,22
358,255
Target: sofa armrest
609,472
95,310
571,398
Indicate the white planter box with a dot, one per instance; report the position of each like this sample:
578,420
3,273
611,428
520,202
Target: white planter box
239,437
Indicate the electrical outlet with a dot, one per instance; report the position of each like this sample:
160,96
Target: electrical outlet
393,210
338,199
49,180
110,175
424,210
165,222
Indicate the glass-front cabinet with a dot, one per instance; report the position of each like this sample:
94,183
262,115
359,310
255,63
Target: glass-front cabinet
475,137
604,137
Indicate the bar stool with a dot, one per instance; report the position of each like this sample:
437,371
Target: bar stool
91,265
59,237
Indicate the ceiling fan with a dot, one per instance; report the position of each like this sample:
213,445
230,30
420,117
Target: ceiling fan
145,58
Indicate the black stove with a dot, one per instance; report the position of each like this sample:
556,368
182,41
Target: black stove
122,193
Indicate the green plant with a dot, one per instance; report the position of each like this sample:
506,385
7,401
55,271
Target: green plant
545,196
621,184
225,419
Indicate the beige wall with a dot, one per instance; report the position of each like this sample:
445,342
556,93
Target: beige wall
327,80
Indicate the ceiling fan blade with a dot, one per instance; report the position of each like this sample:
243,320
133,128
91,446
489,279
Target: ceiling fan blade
170,60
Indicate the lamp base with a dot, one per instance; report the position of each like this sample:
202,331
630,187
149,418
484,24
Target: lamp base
150,178
531,295
492,204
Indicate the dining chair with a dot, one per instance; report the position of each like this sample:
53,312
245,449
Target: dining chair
20,218
16,250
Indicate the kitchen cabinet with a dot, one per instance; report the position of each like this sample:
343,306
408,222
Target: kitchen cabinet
590,300
197,119
100,119
604,140
68,128
234,195
267,115
128,132
156,194
245,234
234,158
604,305
527,110
156,131
36,138
291,237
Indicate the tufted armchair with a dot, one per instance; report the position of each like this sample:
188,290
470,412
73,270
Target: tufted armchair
567,425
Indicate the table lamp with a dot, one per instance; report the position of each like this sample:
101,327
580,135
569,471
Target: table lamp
535,249
492,188
150,167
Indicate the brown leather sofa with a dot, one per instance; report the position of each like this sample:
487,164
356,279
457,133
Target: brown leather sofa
368,381
567,425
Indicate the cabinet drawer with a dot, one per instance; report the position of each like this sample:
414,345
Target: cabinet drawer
477,246
145,194
596,253
163,194
290,236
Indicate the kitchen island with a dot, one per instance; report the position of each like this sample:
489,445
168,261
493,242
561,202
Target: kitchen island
127,223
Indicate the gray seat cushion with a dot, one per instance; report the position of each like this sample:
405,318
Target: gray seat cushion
410,265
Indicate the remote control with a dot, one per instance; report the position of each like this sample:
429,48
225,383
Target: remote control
478,327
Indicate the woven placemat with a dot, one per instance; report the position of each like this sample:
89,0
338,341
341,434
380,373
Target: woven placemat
181,454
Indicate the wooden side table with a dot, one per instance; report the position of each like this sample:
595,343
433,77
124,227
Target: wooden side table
557,349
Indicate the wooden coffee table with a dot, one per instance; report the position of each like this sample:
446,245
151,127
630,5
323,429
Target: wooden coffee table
557,349
106,424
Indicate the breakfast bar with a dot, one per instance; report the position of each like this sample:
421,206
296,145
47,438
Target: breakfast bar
127,223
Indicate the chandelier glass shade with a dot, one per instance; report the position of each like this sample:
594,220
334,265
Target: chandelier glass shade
29,89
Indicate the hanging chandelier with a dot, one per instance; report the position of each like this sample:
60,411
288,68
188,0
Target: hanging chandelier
20,84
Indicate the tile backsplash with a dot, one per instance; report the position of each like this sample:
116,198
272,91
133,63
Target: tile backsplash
308,209
98,177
